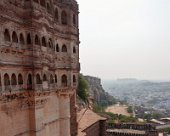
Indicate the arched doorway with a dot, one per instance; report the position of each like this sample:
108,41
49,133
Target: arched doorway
7,82
64,80
20,79
13,80
38,79
29,82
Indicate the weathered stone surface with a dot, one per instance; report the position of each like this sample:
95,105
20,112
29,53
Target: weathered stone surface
97,93
90,124
39,67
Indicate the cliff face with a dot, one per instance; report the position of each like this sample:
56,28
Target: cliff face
96,91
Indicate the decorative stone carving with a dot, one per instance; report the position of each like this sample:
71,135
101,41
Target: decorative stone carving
25,104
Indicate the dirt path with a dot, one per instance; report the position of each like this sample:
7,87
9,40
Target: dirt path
118,109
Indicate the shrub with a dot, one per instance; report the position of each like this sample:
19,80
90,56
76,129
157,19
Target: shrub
130,109
83,88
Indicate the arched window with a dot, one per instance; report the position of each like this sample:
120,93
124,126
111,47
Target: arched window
37,40
38,79
56,15
55,78
28,39
64,80
7,35
44,42
14,37
74,49
36,1
13,79
6,80
64,18
42,3
74,79
50,43
29,82
20,79
51,79
21,37
64,48
48,8
74,19
44,77
57,48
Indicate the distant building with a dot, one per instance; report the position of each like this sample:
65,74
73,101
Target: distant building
127,129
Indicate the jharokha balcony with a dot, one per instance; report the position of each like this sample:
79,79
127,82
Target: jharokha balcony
12,88
42,86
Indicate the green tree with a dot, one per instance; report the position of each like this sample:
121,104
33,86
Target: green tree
157,115
83,88
167,130
98,108
123,118
147,116
130,109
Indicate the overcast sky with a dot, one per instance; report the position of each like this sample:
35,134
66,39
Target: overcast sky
125,38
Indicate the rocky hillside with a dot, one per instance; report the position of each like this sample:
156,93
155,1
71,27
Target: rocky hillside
96,91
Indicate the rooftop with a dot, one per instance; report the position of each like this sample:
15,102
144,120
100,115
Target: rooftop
129,131
86,118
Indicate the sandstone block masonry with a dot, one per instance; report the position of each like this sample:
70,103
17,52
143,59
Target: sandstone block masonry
39,67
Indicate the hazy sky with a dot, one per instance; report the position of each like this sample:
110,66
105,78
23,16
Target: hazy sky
125,38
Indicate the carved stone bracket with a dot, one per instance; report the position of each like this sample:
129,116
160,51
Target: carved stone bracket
7,97
66,92
39,103
9,50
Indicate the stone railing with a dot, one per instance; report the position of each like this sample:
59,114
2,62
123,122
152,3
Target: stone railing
52,86
7,88
20,87
29,87
66,89
14,88
38,87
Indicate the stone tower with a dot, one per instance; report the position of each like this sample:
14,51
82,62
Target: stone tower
39,67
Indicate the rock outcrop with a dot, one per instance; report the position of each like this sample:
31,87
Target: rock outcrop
96,91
